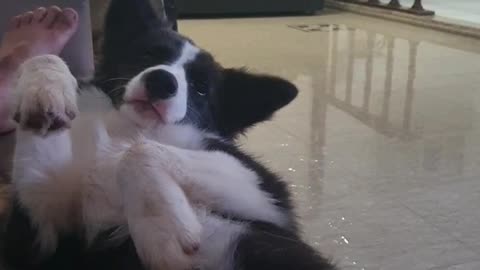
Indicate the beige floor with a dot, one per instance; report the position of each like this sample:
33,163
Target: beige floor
382,146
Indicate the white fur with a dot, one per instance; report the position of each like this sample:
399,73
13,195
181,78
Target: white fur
219,241
221,182
110,170
159,215
43,178
189,52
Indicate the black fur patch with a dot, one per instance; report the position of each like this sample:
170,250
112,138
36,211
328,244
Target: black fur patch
267,247
134,40
21,252
245,99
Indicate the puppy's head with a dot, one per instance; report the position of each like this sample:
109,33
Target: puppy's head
159,77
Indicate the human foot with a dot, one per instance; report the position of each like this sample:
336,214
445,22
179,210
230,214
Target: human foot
43,31
7,68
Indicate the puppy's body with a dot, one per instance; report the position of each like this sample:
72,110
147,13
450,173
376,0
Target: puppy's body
154,180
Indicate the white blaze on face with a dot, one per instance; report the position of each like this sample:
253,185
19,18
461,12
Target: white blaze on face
173,109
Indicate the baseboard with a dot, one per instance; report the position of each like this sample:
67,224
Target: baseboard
432,22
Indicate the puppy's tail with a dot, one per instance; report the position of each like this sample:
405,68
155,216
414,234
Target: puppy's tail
267,247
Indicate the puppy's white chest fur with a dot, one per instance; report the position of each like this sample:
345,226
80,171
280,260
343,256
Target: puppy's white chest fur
100,140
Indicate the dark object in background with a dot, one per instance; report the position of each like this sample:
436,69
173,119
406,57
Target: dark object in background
244,7
171,12
166,9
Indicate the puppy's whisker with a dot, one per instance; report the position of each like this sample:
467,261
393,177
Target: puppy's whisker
116,79
196,114
116,90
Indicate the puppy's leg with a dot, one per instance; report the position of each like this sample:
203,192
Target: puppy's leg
219,179
160,219
45,105
222,183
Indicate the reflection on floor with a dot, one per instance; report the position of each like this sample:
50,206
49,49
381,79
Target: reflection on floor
381,148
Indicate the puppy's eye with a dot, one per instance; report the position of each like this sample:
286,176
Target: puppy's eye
201,92
200,88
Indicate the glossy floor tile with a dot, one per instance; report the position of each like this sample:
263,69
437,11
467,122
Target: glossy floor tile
382,146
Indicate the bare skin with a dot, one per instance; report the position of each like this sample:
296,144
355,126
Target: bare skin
34,33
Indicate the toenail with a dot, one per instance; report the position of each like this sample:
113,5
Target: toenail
70,14
27,17
53,11
54,8
17,20
40,13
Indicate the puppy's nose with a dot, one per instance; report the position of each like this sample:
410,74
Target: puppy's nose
160,84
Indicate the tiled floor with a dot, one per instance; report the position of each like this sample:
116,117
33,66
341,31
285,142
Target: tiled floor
382,146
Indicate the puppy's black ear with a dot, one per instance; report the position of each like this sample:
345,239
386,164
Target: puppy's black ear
126,19
245,99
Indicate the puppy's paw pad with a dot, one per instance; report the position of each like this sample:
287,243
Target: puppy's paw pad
44,117
47,96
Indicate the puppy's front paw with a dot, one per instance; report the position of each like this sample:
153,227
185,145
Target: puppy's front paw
46,95
44,112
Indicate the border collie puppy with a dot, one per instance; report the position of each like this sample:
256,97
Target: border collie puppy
149,178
